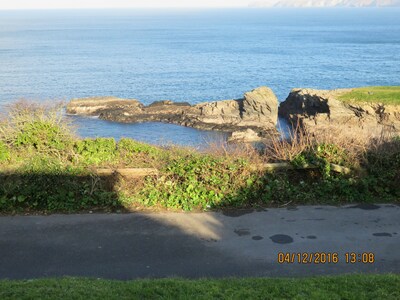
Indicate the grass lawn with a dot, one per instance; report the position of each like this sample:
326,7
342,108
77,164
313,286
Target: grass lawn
359,286
381,94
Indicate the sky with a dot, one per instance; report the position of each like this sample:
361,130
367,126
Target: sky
58,4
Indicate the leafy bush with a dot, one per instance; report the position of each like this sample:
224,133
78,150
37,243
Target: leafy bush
38,127
321,155
384,168
42,164
196,181
44,136
280,189
96,151
137,154
50,192
131,146
4,152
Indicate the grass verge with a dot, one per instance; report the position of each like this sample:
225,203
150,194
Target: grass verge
374,94
325,287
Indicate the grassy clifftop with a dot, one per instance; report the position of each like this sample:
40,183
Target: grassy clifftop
373,94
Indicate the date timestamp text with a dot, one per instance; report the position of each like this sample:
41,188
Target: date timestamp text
325,257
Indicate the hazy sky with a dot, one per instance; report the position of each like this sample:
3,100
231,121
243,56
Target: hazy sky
40,4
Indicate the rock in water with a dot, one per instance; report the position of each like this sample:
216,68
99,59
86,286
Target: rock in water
258,111
219,112
260,106
247,136
94,106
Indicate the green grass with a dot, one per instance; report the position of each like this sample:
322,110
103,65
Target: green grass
326,287
374,94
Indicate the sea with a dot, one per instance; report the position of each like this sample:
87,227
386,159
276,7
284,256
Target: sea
191,55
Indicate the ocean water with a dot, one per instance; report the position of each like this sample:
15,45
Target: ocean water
191,55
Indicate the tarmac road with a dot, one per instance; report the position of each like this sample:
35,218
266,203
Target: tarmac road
213,244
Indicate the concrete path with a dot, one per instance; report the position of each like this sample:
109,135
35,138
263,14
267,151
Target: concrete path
230,243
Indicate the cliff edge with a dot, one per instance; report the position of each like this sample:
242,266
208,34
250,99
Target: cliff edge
320,109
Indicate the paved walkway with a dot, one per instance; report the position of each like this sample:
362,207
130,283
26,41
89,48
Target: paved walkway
230,243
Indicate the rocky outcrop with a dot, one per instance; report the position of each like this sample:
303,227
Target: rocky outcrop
260,106
96,105
257,110
316,109
247,135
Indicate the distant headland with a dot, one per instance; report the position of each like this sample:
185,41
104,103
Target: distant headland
325,3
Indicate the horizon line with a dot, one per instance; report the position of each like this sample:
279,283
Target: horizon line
127,7
191,7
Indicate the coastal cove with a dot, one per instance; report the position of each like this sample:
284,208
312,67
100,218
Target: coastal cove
331,158
243,149
154,133
254,117
190,56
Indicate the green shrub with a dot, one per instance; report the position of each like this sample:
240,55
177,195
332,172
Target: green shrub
54,192
42,164
96,151
46,183
137,154
281,189
196,181
321,155
4,152
43,136
131,146
40,128
384,169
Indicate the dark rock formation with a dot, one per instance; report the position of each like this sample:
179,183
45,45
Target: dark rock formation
258,111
